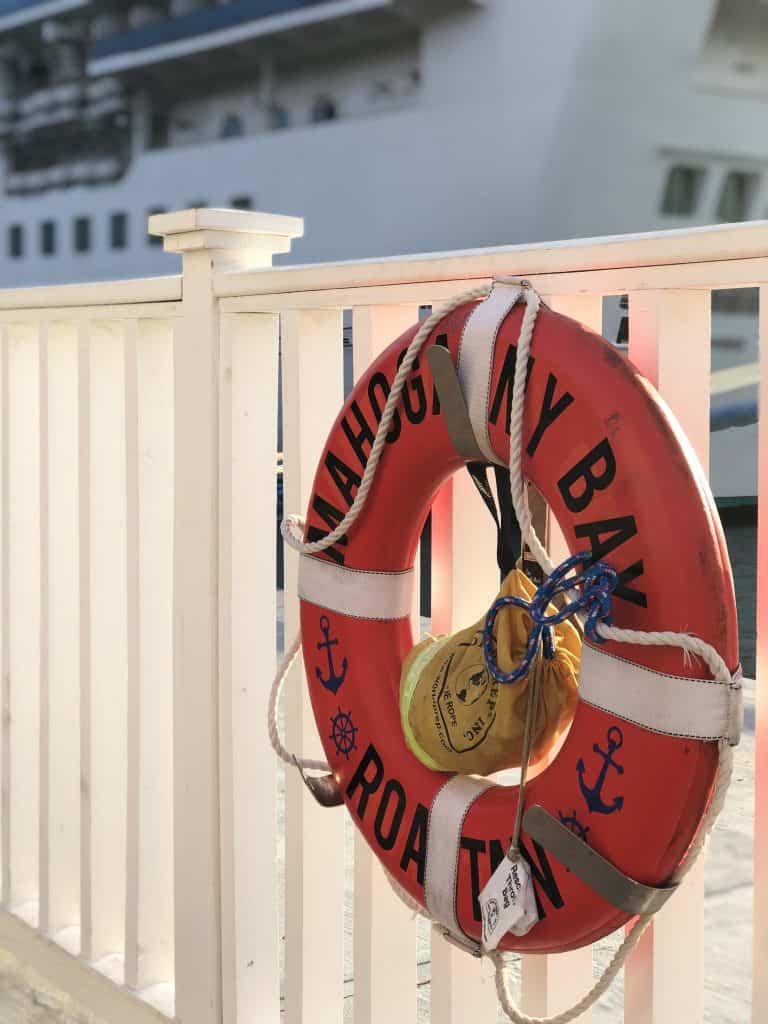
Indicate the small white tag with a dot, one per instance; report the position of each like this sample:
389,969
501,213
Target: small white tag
508,903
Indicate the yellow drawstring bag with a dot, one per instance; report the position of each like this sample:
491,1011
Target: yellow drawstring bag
456,717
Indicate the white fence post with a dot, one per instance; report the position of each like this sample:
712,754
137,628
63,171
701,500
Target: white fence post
669,342
210,240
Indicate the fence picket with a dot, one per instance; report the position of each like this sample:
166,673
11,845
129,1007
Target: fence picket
384,931
43,917
133,661
314,837
63,842
552,983
84,632
465,579
248,772
669,341
24,616
109,645
149,449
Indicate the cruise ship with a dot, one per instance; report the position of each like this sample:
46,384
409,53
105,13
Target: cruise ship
390,125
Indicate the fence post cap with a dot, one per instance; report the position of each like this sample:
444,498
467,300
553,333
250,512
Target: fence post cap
236,238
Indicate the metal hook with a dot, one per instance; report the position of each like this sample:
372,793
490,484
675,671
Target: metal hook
324,788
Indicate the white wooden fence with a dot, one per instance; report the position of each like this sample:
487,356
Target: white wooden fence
141,846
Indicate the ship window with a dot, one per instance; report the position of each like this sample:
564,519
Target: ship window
682,190
278,117
82,234
158,130
155,240
736,196
324,109
48,237
242,203
39,76
16,241
231,127
118,230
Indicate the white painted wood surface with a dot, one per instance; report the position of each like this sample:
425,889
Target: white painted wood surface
84,631
679,258
197,924
670,342
108,662
465,579
23,613
248,779
44,808
311,346
149,453
384,930
133,660
63,621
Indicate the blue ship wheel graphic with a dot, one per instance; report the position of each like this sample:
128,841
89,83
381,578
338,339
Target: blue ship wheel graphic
343,733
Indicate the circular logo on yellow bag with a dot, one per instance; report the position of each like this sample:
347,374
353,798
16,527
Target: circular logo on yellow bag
464,700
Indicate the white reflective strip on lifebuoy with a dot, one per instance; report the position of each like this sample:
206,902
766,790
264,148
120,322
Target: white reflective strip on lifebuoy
446,820
355,592
475,359
701,709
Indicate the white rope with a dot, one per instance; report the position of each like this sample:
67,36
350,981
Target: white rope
293,531
516,481
274,696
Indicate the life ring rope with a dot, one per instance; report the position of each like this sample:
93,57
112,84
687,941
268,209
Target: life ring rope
293,532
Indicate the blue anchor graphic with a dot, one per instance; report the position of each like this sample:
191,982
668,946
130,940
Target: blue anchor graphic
334,681
593,794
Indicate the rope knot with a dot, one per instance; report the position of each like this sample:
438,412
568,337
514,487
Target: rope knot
589,591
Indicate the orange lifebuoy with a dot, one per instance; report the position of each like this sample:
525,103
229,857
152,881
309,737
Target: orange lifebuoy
614,467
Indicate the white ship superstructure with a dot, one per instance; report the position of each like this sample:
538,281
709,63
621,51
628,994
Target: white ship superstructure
391,126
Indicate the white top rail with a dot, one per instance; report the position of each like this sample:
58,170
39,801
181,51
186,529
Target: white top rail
726,255
93,294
